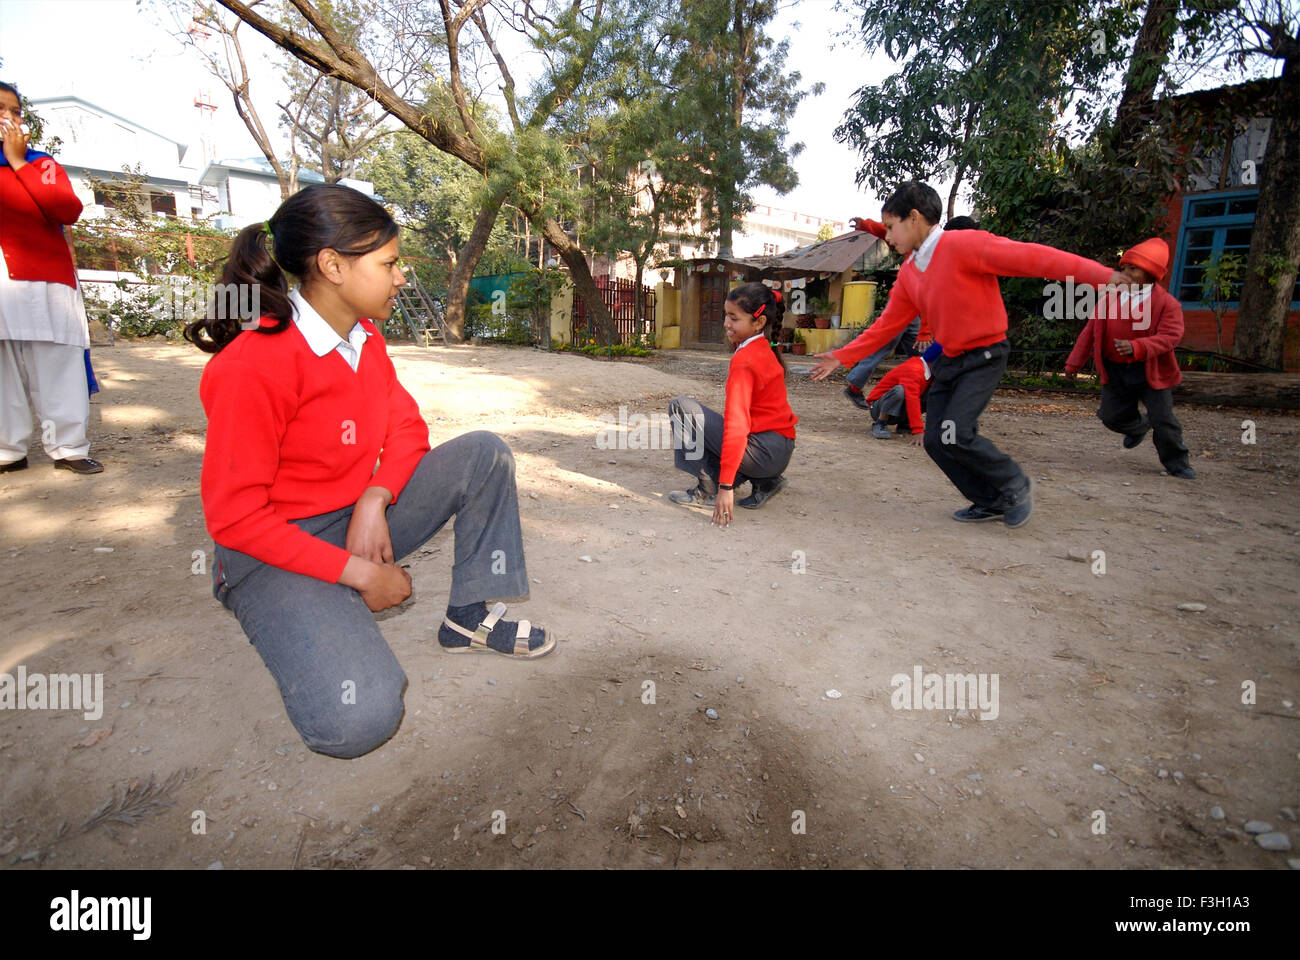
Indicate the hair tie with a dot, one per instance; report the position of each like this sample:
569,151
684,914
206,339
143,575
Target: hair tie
776,296
759,312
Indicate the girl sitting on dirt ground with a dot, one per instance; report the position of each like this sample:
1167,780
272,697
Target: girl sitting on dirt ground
318,477
754,437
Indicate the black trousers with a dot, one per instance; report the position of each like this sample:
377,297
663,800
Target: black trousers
959,391
697,447
1126,384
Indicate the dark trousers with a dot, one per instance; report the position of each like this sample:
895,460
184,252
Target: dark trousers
959,391
1126,384
697,447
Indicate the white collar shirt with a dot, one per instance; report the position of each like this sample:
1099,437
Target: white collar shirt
321,337
921,259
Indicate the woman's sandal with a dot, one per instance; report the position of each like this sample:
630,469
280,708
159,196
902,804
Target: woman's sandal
478,638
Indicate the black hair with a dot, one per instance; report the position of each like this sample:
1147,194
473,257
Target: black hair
323,216
761,300
10,88
962,223
914,195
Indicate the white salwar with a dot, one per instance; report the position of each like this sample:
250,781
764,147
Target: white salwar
43,337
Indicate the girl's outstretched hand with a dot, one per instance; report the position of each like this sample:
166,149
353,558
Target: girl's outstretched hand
368,529
723,506
829,364
918,439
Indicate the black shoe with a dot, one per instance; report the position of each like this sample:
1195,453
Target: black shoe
858,398
692,498
761,491
16,465
880,431
1018,515
1186,473
80,465
975,514
1131,440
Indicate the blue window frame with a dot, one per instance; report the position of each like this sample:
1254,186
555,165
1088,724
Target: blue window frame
1214,224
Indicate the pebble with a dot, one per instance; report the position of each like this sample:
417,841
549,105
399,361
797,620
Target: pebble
273,786
1052,833
1099,768
491,682
833,694
585,559
689,761
918,758
1258,826
103,549
1216,813
1273,841
216,865
973,776
1178,775
1192,607
374,808
1162,773
774,586
700,696
711,713
1288,813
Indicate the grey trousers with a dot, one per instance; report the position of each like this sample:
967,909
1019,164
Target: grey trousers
767,454
892,403
341,685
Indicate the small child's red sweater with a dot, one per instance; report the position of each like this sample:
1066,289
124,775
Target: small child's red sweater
756,402
292,435
958,296
911,374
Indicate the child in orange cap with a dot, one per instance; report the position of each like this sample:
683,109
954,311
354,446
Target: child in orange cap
1130,340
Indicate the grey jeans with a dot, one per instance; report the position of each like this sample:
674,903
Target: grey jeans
341,685
767,454
891,403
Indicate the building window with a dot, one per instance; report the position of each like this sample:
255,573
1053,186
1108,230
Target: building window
1213,226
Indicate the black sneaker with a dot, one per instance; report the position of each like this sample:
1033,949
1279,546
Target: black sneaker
1186,473
14,465
762,491
857,398
1131,440
692,498
880,431
1018,515
976,514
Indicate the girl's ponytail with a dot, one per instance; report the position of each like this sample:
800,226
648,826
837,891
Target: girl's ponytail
250,275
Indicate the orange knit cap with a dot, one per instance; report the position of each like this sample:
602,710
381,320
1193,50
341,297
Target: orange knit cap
1151,255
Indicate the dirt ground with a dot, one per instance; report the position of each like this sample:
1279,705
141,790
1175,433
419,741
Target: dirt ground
1111,699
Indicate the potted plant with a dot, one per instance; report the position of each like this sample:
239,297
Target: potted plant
821,311
799,348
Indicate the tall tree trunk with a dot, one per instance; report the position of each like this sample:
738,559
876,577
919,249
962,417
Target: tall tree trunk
467,260
1150,53
1262,311
598,316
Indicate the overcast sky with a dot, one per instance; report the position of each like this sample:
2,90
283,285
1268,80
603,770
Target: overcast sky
118,56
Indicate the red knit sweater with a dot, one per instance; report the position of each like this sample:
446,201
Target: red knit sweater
292,435
1153,346
911,374
34,204
756,402
958,296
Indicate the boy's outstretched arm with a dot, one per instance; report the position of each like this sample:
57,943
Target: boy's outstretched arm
1011,258
898,313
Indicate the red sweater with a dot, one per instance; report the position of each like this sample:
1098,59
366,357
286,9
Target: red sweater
958,296
34,204
756,402
911,374
1153,346
292,435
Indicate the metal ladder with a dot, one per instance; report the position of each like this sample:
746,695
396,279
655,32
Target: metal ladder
421,313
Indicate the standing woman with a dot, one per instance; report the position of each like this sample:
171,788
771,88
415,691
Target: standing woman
318,477
753,438
43,333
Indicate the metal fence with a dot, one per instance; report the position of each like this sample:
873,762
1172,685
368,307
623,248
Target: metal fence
620,297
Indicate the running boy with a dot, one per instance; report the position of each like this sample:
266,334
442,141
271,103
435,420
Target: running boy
951,280
1130,339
